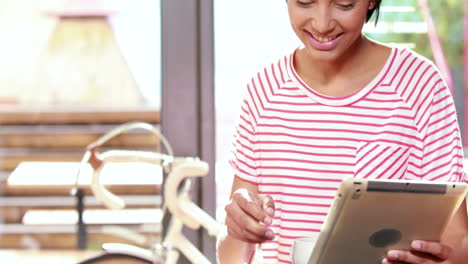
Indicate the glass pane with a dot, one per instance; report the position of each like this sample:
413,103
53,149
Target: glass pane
72,70
77,54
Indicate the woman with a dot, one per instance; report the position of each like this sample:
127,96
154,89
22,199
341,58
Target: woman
341,105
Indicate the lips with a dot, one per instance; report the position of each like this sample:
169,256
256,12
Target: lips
324,43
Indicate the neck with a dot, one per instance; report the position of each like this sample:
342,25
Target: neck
323,72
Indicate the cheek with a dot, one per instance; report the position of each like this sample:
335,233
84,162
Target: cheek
299,19
352,25
293,17
353,22
296,24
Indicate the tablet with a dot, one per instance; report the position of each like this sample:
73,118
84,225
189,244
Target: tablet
370,217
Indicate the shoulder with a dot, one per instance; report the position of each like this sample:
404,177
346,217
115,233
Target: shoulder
275,73
419,83
267,81
414,75
409,59
263,83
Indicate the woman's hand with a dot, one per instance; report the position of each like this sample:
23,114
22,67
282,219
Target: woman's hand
422,252
248,216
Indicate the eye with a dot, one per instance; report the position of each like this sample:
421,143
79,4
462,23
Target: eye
346,6
305,3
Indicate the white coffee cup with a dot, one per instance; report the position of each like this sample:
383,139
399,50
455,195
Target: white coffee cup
301,249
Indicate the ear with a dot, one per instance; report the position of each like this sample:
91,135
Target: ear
373,4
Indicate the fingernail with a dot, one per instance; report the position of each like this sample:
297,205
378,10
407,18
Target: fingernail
385,261
269,234
267,220
270,211
416,245
392,254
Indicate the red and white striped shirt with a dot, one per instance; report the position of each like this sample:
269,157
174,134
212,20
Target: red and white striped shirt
297,145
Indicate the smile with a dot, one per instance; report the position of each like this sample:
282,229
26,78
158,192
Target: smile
323,39
324,43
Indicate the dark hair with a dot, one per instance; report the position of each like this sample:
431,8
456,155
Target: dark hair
377,11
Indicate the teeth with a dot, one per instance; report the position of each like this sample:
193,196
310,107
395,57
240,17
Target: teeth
323,39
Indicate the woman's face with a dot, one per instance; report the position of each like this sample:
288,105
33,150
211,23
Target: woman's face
329,29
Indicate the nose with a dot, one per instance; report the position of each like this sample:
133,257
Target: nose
323,21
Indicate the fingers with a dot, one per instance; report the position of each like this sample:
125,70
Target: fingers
436,249
247,219
248,234
400,256
422,252
250,204
386,261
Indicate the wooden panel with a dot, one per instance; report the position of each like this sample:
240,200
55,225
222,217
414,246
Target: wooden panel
58,178
45,256
61,115
12,209
69,201
58,257
14,215
34,190
70,136
63,241
134,216
11,158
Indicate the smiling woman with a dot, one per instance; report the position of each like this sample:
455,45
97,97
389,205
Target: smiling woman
339,105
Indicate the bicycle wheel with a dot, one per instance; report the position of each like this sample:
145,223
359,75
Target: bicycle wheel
113,258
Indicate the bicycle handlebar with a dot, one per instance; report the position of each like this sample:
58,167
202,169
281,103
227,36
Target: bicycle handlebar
172,196
176,199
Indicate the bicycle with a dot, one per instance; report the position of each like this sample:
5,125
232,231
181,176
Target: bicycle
176,200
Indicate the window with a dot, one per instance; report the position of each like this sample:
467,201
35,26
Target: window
70,71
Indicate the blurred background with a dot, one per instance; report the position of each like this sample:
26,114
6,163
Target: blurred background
72,70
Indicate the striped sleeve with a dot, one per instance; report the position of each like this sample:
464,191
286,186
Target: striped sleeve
243,160
442,148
